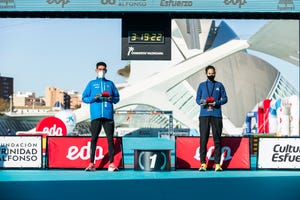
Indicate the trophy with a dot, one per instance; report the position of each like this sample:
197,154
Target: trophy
105,94
209,101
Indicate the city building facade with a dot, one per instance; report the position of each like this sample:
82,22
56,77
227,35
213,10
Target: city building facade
6,87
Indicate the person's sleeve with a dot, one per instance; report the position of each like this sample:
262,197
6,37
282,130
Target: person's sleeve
86,95
224,98
198,95
115,98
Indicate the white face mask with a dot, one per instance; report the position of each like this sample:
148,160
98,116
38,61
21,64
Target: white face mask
101,74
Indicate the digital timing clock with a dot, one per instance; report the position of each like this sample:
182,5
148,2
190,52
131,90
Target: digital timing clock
145,38
152,37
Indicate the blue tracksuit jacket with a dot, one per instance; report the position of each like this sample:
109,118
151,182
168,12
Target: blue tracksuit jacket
101,107
215,89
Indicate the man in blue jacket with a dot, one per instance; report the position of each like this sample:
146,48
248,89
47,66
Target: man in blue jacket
211,95
101,94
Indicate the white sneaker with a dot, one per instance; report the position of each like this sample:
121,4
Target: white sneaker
90,168
112,168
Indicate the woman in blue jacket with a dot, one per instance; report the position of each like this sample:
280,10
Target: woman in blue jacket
211,95
101,94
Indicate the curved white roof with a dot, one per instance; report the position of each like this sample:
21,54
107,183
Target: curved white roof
279,38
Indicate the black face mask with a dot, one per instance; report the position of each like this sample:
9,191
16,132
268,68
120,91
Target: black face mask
211,78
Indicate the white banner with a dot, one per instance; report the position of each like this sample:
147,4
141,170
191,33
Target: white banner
278,153
20,151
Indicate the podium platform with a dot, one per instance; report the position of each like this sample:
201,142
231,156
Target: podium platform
49,184
152,159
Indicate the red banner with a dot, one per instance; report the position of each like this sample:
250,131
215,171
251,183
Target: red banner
263,116
74,152
235,153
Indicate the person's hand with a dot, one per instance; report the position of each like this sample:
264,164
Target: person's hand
99,97
212,104
203,103
96,96
102,98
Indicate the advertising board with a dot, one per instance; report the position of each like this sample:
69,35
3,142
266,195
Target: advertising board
74,152
20,151
235,153
278,153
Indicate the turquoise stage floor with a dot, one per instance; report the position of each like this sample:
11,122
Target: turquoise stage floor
130,174
139,185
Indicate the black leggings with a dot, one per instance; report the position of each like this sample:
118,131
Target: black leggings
96,126
216,125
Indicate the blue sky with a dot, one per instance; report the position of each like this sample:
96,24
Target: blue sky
58,52
63,52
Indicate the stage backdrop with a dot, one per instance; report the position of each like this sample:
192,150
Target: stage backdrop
74,152
235,153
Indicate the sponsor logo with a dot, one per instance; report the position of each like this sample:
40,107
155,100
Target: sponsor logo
130,50
138,53
84,152
225,156
132,3
18,154
129,3
286,153
285,5
174,3
18,150
62,2
53,131
235,2
7,4
108,2
53,126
